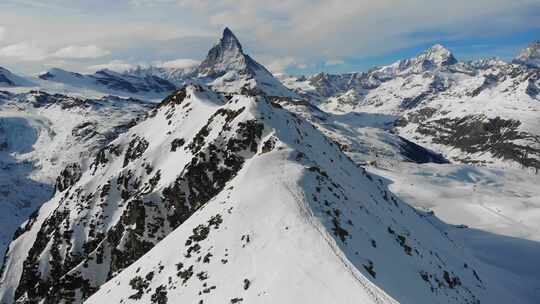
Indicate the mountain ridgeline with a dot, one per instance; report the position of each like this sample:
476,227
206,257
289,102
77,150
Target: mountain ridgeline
238,188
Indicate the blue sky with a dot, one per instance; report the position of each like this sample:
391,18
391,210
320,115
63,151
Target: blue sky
293,36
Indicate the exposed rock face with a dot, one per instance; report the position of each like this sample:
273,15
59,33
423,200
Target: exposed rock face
68,177
226,55
479,134
228,69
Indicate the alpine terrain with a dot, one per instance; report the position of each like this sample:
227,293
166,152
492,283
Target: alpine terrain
221,183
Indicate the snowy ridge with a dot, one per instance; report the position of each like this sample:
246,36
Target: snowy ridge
144,189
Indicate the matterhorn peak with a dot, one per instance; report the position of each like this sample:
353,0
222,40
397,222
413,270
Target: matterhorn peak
438,55
229,41
226,54
530,56
228,69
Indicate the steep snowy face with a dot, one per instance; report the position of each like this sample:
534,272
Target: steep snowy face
227,54
6,78
530,56
228,69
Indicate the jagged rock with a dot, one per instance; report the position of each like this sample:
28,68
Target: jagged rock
68,177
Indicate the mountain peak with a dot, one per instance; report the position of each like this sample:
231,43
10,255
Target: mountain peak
438,55
530,56
8,79
229,41
228,69
226,54
5,78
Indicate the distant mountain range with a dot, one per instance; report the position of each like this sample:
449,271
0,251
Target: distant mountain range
240,187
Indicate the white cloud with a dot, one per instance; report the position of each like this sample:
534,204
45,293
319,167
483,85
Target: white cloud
23,51
340,28
279,65
2,33
80,52
179,63
114,65
333,62
313,30
28,51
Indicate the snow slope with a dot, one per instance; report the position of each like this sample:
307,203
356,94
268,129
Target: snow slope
40,135
496,213
321,218
365,137
505,202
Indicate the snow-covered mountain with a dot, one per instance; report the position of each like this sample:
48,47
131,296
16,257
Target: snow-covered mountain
226,69
8,79
473,112
175,75
40,135
222,206
108,81
237,188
